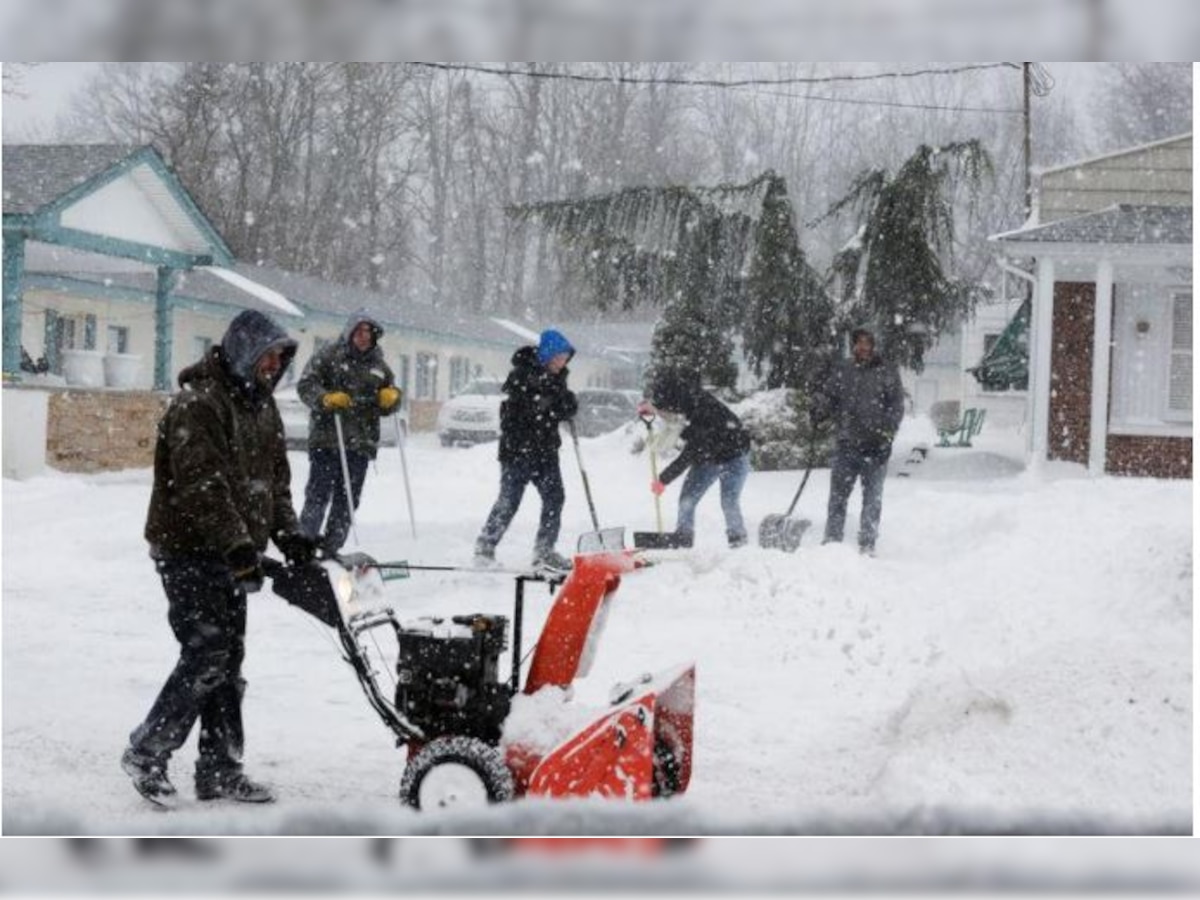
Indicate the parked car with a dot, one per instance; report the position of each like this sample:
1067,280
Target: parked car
472,415
602,411
295,421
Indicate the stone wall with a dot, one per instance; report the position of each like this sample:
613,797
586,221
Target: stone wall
102,430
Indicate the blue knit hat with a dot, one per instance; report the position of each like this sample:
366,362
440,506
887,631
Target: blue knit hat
552,343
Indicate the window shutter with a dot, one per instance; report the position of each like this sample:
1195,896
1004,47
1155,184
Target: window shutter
1179,397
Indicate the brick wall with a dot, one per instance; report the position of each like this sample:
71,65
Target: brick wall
1071,400
1151,457
98,431
1071,372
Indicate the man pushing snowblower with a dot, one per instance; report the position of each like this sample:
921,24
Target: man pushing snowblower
221,491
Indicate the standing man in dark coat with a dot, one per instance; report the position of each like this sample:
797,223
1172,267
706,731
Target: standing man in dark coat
346,380
716,447
864,398
221,491
536,400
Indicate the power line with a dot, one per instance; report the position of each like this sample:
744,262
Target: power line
996,110
709,82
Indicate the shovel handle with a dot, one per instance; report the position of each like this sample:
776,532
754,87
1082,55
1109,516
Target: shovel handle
648,421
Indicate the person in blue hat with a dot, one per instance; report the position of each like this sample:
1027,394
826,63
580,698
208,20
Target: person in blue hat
536,401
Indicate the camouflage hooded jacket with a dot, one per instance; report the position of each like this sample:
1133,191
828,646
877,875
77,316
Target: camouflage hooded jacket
341,366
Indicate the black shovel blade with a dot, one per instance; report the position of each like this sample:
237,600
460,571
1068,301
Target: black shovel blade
665,540
777,532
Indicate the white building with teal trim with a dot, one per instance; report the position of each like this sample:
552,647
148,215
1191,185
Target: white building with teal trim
114,275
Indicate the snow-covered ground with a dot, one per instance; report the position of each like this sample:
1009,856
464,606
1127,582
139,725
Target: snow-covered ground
1019,652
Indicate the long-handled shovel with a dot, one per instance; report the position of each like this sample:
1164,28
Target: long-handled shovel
783,532
601,538
656,540
412,520
337,421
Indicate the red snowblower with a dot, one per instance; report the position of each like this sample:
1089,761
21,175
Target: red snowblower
475,737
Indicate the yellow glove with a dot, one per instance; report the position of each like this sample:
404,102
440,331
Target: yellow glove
388,397
336,400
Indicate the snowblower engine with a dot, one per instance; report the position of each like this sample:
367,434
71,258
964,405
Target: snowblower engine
447,676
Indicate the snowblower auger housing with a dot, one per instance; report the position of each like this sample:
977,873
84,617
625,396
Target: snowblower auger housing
454,711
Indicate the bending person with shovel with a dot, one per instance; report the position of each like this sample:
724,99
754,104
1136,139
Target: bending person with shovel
716,448
348,387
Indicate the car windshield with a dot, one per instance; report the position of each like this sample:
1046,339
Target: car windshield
487,388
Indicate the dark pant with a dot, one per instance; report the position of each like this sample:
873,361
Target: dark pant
848,466
207,612
732,474
326,490
544,475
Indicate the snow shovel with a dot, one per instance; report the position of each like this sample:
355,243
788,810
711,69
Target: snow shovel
601,538
778,532
657,540
337,421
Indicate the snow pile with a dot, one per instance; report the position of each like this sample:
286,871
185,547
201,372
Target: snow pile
1019,653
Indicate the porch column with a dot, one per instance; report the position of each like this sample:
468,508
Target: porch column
1040,343
163,327
1101,363
14,269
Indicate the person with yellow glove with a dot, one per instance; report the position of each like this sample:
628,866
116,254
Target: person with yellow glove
347,381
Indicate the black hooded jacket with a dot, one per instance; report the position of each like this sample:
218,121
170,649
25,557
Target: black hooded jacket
535,402
221,475
713,433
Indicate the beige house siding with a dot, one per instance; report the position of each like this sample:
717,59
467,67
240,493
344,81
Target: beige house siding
1157,174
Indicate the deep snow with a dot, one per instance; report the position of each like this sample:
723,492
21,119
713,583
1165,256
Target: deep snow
1020,651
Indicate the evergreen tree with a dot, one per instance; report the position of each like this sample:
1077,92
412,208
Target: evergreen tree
723,262
891,273
788,320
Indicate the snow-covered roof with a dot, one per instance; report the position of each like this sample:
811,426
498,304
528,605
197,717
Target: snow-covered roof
38,174
1119,224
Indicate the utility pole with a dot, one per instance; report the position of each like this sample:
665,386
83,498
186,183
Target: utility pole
1027,88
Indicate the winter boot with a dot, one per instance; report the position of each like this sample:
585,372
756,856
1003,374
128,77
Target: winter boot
485,556
549,561
149,776
231,785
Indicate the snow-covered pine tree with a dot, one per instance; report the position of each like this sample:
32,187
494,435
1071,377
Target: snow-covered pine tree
723,261
891,274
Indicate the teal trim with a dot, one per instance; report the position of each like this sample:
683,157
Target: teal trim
150,156
163,328
14,267
53,233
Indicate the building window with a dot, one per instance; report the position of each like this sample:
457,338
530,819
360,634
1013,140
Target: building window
1179,375
89,332
460,373
426,376
402,366
118,339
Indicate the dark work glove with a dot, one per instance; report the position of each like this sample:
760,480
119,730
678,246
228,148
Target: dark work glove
298,549
247,570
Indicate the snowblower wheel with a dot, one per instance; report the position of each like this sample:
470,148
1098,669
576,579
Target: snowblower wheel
461,772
